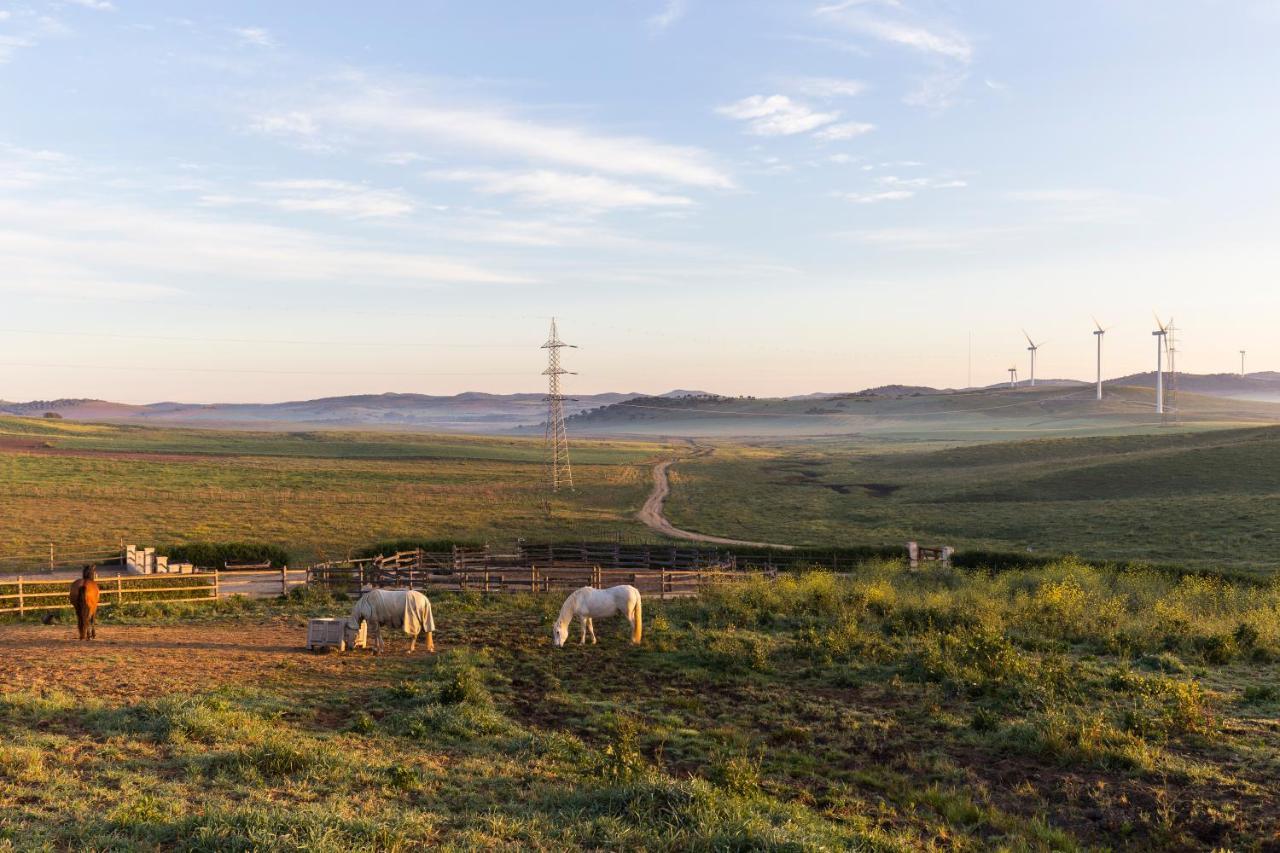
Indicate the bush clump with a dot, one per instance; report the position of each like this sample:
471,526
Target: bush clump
215,555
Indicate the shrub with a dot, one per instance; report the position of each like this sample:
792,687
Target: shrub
214,555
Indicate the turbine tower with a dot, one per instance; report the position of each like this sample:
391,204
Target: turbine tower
1160,337
1098,334
557,449
1013,377
1242,352
1031,348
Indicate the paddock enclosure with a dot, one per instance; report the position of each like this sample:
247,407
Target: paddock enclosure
655,571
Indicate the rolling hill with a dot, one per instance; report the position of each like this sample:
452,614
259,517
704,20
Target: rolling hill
982,414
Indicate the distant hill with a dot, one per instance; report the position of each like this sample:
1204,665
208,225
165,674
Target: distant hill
1263,386
679,411
467,412
1048,409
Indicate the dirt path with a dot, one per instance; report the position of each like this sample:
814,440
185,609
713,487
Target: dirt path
651,512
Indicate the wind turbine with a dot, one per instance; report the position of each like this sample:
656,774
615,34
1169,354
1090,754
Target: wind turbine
1098,334
1032,349
1160,337
1013,377
1242,352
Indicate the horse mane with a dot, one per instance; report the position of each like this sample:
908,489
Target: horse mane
90,573
566,609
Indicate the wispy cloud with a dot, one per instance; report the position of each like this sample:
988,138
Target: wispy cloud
672,11
22,168
27,28
337,198
96,5
1085,205
898,28
921,183
829,87
892,22
391,118
542,186
877,197
844,130
931,238
776,115
85,242
254,36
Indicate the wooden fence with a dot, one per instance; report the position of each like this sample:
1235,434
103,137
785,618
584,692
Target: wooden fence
351,577
23,596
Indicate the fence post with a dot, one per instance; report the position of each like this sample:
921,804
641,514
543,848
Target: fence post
284,580
663,593
51,556
119,591
217,593
21,607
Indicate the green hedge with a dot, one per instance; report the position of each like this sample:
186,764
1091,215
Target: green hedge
214,555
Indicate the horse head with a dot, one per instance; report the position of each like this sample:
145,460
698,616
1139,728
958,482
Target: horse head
90,573
558,633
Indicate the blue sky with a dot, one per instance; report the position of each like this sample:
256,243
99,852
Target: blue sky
248,201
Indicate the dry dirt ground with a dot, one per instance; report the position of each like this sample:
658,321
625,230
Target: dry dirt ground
130,662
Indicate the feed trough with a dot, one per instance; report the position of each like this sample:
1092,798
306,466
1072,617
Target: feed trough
335,634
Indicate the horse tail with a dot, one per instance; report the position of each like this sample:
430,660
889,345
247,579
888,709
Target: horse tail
82,611
637,621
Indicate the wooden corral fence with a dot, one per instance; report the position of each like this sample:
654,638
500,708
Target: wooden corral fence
351,577
23,596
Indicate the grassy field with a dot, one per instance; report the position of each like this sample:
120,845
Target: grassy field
1058,709
1207,499
316,493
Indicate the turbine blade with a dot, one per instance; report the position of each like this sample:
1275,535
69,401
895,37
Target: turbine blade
1158,323
1028,337
1096,324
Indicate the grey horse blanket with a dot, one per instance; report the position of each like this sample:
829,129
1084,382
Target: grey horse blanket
396,608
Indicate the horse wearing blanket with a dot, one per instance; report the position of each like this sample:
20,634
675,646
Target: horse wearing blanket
407,609
590,603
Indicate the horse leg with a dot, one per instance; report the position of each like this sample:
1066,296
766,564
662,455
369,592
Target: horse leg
93,625
591,626
583,641
431,642
413,643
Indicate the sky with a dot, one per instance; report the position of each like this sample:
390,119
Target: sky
237,201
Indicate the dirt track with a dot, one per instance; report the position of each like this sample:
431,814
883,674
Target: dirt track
651,513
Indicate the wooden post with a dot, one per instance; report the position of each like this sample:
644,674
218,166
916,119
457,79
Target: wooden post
663,589
217,593
284,580
50,556
119,591
21,607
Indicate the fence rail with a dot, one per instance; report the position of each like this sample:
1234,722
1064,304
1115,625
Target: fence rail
352,577
23,596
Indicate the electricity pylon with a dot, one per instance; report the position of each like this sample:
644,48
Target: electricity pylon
557,449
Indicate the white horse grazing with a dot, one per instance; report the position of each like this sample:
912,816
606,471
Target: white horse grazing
590,603
407,609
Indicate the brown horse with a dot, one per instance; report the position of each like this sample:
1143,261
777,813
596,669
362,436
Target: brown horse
84,598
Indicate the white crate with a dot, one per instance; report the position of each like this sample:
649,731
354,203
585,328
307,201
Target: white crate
335,634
